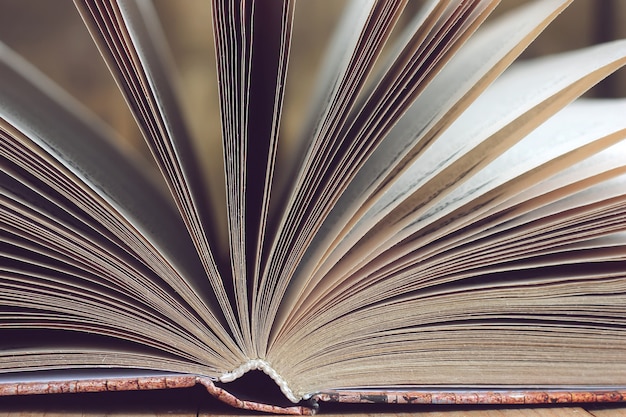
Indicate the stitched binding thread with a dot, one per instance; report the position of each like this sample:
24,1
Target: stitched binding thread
261,365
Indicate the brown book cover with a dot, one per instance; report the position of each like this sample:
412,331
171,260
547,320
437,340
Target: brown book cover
144,383
312,405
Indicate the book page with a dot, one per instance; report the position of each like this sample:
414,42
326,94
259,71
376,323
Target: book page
67,149
469,72
130,40
252,49
565,139
597,169
507,119
366,39
460,336
347,146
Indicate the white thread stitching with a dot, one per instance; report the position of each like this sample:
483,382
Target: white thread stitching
261,365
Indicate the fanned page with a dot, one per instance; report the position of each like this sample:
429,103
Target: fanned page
448,227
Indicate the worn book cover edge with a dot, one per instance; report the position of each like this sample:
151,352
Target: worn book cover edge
451,396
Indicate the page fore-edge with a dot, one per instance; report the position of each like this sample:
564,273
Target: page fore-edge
478,396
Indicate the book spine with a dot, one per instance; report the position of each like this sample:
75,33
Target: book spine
228,398
143,383
473,397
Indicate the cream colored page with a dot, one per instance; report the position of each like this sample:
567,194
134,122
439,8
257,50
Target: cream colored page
63,274
480,59
540,232
311,191
79,142
416,336
517,92
527,206
575,128
602,164
141,65
45,121
491,118
603,192
572,135
339,54
553,83
588,219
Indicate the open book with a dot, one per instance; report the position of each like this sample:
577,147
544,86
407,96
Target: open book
449,226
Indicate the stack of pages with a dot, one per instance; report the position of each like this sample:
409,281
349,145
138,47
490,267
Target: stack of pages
450,225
